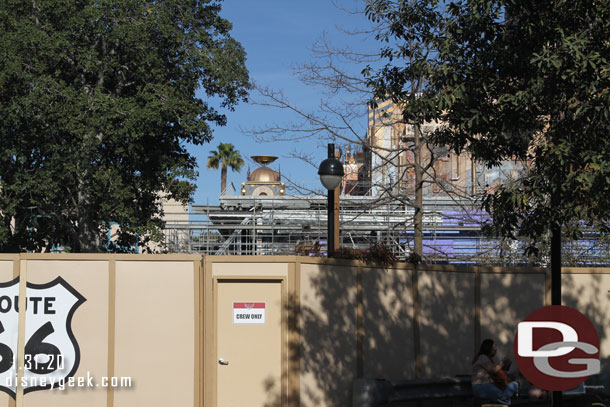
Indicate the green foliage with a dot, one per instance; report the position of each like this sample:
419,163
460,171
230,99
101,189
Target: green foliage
97,105
525,80
411,33
226,156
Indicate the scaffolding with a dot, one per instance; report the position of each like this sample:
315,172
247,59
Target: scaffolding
268,226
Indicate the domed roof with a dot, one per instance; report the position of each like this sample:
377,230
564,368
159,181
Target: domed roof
264,174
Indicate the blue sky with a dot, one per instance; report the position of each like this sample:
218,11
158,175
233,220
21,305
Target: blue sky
277,35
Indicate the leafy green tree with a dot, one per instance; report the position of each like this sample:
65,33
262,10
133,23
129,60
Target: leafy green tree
226,156
522,80
97,106
410,33
527,80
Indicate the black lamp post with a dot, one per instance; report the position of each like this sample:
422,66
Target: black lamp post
331,174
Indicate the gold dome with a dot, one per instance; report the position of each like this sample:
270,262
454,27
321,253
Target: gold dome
264,174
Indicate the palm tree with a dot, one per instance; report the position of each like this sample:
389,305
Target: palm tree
224,157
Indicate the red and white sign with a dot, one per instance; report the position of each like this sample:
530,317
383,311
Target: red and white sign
557,348
249,312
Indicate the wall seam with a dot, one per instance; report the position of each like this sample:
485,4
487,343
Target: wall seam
111,328
16,271
416,331
21,329
359,323
477,309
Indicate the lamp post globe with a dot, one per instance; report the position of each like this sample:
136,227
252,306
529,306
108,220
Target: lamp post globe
331,173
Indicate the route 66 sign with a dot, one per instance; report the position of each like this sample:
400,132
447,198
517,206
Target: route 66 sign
51,351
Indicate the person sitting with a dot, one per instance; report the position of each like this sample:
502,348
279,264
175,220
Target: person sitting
489,379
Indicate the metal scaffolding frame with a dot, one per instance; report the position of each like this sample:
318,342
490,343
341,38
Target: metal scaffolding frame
271,226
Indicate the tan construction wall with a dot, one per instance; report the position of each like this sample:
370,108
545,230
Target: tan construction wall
141,319
328,318
9,269
153,318
507,297
588,290
388,330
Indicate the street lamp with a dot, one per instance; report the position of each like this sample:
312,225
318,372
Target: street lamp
331,174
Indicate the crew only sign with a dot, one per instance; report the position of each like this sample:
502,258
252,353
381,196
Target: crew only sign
249,312
51,352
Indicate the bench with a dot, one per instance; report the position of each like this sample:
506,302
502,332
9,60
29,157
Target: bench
379,392
457,392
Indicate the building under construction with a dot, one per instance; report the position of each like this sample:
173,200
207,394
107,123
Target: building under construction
263,220
377,201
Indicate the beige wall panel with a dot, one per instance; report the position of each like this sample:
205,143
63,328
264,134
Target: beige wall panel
506,300
388,330
446,322
328,332
590,294
6,274
6,270
155,333
250,269
89,324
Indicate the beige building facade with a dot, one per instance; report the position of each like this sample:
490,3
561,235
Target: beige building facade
392,143
446,172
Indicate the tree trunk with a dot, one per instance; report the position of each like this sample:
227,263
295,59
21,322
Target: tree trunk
557,400
87,239
418,217
223,180
473,176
